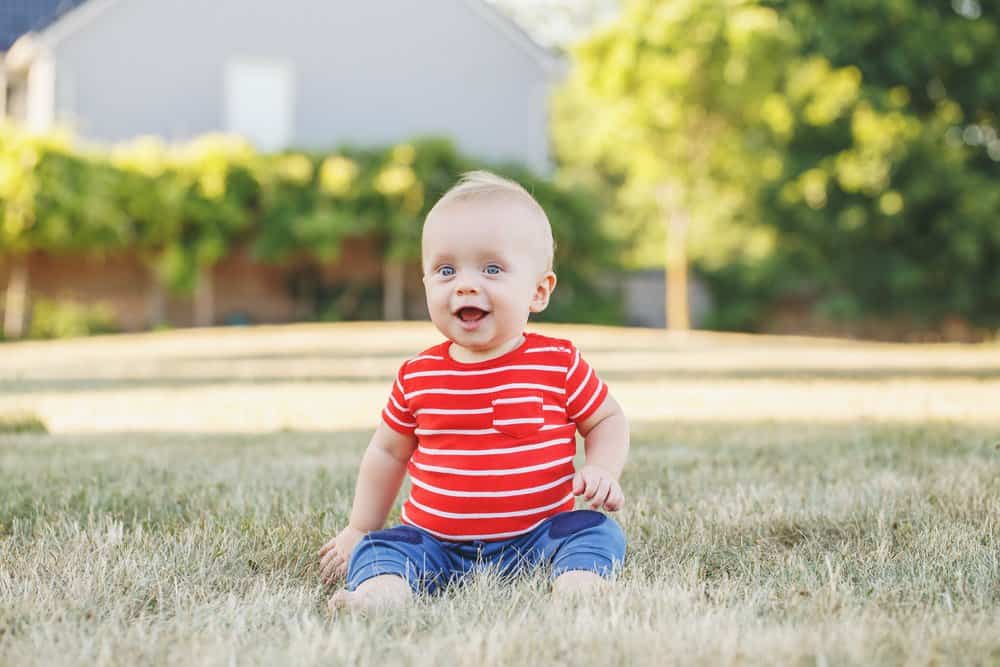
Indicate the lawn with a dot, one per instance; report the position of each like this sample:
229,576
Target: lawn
788,501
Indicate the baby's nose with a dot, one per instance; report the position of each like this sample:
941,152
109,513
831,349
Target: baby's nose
466,288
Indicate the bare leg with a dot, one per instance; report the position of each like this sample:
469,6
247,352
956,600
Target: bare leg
386,591
579,582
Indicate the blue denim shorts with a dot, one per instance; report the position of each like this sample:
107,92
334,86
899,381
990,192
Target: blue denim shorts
576,540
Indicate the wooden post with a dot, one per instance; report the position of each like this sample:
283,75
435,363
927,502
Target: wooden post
393,290
156,299
16,302
204,303
676,221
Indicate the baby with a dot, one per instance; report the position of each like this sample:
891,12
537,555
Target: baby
485,423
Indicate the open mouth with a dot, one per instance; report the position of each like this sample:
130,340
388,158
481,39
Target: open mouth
471,314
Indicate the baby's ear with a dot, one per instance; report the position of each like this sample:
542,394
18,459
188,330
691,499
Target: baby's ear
543,290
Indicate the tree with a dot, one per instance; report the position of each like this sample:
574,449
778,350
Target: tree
663,101
846,151
889,201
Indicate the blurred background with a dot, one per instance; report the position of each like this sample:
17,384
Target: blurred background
778,167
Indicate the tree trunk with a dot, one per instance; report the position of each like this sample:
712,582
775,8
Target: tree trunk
677,307
156,300
16,302
204,302
393,290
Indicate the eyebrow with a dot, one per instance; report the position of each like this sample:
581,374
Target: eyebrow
449,257
437,259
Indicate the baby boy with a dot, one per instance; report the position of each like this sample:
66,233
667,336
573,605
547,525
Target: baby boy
485,423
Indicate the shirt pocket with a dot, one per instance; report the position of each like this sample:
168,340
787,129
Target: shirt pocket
518,414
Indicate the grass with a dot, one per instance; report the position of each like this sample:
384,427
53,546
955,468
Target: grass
790,501
21,423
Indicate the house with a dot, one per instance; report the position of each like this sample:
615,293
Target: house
291,74
298,73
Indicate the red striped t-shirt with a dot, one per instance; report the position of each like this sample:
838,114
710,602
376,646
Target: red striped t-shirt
496,439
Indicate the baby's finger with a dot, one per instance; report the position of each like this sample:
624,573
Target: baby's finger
324,570
330,559
615,500
329,572
327,557
602,494
326,547
592,484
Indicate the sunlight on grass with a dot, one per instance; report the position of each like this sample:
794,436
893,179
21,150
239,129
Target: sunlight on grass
322,377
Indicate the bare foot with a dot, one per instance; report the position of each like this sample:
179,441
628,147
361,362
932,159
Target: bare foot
579,582
386,591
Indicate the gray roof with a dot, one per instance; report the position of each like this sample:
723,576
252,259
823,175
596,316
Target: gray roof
20,16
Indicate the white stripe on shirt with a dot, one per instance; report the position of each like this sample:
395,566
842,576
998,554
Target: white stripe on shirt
493,471
399,421
427,356
517,399
583,384
477,431
489,494
499,450
596,393
456,431
487,371
472,411
398,406
576,360
491,515
486,390
445,411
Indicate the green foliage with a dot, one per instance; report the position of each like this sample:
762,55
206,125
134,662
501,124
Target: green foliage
21,423
891,208
183,208
65,319
846,153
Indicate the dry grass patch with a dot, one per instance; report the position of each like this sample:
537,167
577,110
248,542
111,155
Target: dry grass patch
783,538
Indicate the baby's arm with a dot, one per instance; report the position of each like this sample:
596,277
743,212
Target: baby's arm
379,478
606,443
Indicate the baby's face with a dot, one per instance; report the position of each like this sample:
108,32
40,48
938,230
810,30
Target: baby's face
485,269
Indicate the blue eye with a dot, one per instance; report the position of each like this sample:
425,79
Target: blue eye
447,271
493,269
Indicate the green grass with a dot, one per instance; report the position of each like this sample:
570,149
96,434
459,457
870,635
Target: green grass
796,530
21,423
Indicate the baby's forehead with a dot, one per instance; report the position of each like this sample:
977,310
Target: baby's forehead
499,213
474,226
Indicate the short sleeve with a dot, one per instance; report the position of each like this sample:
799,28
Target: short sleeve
584,390
396,413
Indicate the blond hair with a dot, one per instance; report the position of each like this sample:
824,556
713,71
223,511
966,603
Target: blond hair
482,184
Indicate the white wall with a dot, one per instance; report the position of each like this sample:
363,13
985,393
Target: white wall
365,72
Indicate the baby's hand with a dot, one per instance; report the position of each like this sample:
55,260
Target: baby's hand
599,487
336,553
